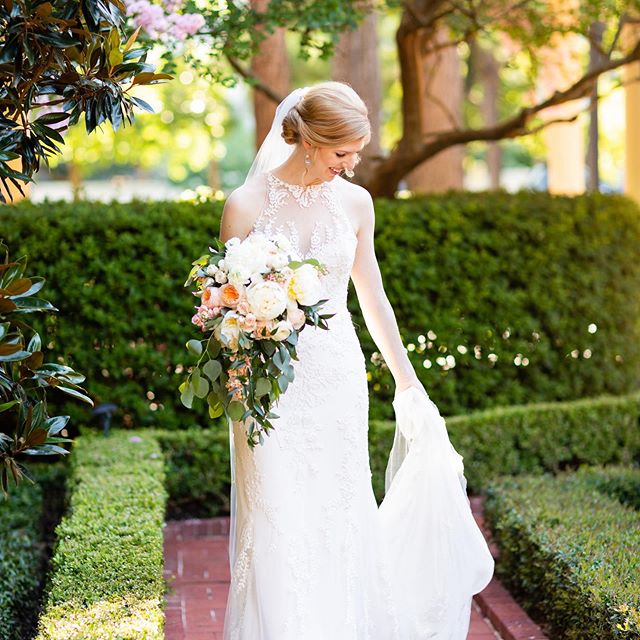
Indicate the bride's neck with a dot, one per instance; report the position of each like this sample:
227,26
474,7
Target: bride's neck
293,170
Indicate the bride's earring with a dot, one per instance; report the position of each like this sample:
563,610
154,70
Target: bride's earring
307,159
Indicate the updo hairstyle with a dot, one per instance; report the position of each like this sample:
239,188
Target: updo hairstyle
328,115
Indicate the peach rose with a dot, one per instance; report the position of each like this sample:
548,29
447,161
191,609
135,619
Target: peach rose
229,295
249,322
296,316
211,297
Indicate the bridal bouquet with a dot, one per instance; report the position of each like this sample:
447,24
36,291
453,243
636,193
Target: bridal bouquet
254,301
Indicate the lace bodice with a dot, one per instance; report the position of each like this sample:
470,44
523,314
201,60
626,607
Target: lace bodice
315,222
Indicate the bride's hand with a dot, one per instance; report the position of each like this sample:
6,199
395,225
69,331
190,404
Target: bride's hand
405,384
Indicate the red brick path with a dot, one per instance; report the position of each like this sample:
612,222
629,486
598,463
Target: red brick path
197,567
196,563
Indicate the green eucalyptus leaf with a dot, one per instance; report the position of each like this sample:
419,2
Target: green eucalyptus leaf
235,410
195,347
186,396
263,386
212,369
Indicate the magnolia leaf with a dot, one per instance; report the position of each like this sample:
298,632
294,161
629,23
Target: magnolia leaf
56,424
76,393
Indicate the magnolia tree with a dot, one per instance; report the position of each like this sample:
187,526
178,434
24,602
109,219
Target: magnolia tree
61,60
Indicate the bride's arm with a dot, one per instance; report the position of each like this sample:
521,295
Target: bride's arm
376,309
237,217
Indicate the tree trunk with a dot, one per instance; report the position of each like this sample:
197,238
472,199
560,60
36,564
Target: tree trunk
441,96
356,63
488,76
271,66
595,59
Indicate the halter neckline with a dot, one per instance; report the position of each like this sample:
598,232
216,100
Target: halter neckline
302,187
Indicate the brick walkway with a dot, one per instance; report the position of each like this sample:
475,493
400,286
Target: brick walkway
197,566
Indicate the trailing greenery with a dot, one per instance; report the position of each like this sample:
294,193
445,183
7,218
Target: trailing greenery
506,298
570,552
20,560
106,581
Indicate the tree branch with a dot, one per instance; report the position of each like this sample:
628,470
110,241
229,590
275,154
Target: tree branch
407,155
254,81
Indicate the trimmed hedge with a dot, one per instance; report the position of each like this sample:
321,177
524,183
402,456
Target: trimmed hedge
547,437
27,520
20,560
106,581
622,483
197,471
524,439
570,552
524,277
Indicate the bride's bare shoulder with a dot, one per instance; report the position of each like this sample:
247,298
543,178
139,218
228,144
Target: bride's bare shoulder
241,209
356,201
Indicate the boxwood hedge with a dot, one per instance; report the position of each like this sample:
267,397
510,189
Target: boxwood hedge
106,581
570,551
27,518
522,439
21,560
501,299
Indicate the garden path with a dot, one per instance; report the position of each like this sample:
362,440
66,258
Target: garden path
197,566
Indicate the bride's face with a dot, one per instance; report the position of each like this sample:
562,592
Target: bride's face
332,161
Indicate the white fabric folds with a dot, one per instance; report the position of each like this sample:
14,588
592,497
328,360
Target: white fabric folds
437,555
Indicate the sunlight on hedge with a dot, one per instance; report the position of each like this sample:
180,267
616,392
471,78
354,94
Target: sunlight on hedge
120,618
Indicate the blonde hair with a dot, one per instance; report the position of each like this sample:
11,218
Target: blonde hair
328,115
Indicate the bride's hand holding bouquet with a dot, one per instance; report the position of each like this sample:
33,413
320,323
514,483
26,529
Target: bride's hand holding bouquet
254,301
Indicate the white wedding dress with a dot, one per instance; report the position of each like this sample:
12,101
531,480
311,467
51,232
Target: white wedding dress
312,556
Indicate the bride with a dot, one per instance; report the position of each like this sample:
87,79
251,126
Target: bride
312,556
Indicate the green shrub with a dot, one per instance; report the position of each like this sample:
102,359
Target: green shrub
21,563
619,482
514,440
197,471
570,553
106,581
541,437
524,277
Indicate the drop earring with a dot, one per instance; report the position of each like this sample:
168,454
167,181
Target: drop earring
307,159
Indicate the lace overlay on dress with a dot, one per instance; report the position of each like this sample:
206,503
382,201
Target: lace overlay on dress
309,564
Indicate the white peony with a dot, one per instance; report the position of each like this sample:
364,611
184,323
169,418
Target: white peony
282,242
228,330
278,261
304,285
283,330
267,299
232,242
244,259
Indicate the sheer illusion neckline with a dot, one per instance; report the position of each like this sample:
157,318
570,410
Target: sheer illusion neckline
304,195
